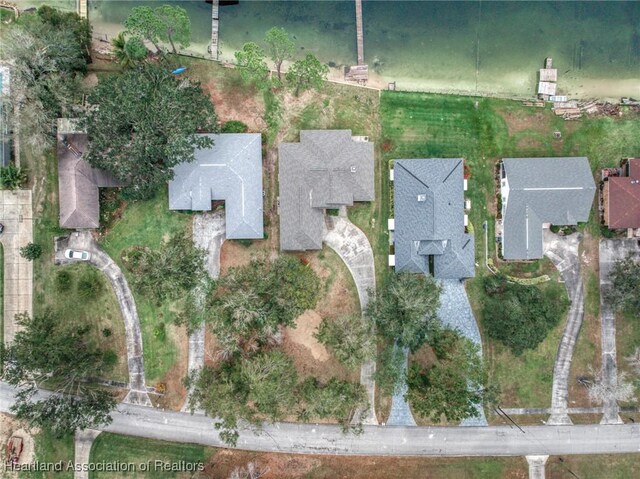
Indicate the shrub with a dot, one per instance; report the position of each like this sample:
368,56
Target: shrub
31,251
109,358
106,332
64,281
160,332
234,126
12,177
89,285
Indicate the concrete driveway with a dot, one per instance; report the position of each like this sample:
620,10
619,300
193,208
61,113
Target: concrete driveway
563,252
352,245
84,241
16,216
611,250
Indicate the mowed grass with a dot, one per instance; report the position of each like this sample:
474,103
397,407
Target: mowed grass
113,448
482,131
49,449
148,223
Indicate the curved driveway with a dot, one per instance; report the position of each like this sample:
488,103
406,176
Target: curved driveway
352,245
563,252
84,241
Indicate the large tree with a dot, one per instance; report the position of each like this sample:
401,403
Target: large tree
175,25
47,353
253,68
625,279
69,21
128,51
405,309
454,386
307,73
350,338
144,122
47,60
280,47
143,22
521,316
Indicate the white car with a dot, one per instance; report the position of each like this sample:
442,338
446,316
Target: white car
79,255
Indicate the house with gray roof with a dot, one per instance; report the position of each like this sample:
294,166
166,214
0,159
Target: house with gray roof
539,192
429,225
326,170
230,171
78,183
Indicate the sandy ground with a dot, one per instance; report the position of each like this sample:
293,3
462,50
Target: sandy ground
306,326
176,393
9,426
233,104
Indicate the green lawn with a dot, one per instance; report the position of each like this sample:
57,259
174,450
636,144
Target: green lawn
136,451
49,449
482,130
148,223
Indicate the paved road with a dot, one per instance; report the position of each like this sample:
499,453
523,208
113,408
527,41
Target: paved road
610,252
16,216
208,234
352,245
133,420
563,252
84,241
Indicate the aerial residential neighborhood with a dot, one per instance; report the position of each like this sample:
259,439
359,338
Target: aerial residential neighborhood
339,239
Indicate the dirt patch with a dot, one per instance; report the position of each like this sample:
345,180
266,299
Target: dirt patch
10,426
175,393
303,334
518,121
233,103
233,255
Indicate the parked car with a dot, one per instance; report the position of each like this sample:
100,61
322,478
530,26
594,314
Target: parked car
79,255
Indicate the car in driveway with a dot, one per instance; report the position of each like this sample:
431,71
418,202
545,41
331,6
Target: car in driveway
77,254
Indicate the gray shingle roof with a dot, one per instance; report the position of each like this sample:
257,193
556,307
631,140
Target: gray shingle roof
231,171
78,184
327,169
429,218
559,191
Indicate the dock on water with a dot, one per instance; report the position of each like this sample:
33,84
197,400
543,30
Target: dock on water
360,72
81,8
215,21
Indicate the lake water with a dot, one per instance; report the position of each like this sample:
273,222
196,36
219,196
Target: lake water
479,46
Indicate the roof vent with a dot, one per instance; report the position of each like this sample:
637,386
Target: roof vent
353,169
422,198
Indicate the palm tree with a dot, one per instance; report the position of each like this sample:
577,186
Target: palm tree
128,51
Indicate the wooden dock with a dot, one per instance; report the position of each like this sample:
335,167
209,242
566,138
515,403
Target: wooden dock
359,32
215,21
81,7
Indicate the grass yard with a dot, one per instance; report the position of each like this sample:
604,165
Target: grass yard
627,340
482,130
49,449
148,223
136,451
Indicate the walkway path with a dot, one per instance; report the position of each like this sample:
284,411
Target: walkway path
610,252
455,312
352,245
84,241
537,466
16,216
401,414
83,442
208,234
182,427
563,252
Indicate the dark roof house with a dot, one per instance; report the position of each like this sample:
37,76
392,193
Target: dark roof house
541,191
621,197
429,221
231,171
78,182
327,169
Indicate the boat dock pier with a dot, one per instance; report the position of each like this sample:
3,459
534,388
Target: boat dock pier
215,21
81,8
359,72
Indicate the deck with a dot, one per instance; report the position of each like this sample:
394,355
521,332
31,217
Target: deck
360,72
215,21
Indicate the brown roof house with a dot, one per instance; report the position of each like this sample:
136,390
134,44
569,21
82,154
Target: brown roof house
78,182
621,197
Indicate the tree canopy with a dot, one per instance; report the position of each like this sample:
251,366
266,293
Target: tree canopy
350,338
166,23
144,122
143,22
405,309
455,385
252,302
170,271
307,73
128,51
252,66
48,353
625,279
280,47
69,21
521,316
